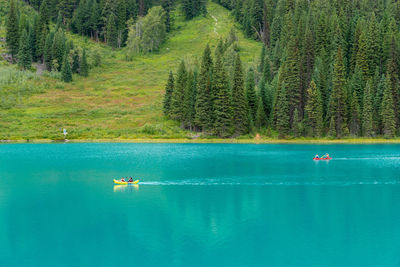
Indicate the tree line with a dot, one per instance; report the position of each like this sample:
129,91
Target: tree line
327,68
108,20
31,39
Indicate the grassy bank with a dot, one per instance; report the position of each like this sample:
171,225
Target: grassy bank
216,141
120,99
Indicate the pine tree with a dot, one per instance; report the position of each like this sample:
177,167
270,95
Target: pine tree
251,94
354,124
178,95
367,126
357,84
112,31
374,45
32,39
282,113
66,72
338,97
84,66
204,106
66,8
167,5
387,111
12,31
313,110
222,101
261,117
42,29
291,77
58,48
377,104
239,103
296,123
75,61
169,88
188,100
48,52
362,56
262,59
24,53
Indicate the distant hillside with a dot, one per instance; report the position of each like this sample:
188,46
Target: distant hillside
119,99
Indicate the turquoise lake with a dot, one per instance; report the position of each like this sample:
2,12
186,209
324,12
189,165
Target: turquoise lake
199,205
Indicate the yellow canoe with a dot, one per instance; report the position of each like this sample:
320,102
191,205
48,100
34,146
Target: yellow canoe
119,182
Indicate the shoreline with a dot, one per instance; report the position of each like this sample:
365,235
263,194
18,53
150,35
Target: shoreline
210,141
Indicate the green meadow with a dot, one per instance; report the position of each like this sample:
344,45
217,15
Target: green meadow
120,99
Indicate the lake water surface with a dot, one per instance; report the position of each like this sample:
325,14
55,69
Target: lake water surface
199,205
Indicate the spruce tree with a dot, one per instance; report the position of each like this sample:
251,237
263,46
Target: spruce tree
48,52
354,124
338,98
178,95
282,113
58,48
42,29
261,117
169,88
222,101
167,5
296,123
239,104
66,72
362,56
377,104
187,100
291,77
75,61
251,94
204,108
387,111
84,66
367,126
112,31
12,31
24,53
32,38
313,110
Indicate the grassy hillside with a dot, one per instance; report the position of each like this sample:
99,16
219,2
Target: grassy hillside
119,99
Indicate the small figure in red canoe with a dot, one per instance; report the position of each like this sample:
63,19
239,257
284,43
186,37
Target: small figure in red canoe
324,157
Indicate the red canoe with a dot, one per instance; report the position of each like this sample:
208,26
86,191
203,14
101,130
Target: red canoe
322,158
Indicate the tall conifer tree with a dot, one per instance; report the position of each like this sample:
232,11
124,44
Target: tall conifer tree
66,72
178,95
222,102
387,111
24,54
313,110
169,88
251,94
338,100
203,107
12,31
367,124
239,103
84,66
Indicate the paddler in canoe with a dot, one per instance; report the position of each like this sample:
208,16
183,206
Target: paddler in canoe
126,181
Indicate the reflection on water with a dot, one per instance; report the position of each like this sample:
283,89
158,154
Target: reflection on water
126,188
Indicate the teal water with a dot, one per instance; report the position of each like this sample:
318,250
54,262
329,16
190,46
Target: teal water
199,205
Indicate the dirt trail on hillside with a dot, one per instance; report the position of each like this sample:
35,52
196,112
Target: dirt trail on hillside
216,23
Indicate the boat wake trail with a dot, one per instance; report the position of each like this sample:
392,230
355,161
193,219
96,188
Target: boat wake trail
267,183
